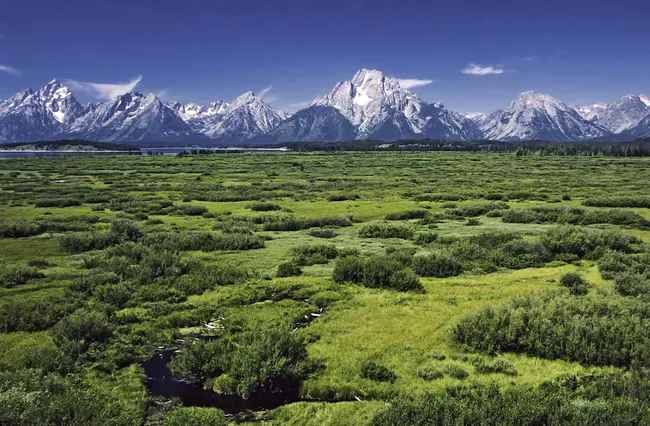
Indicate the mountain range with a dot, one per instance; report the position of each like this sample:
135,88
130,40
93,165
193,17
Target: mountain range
369,106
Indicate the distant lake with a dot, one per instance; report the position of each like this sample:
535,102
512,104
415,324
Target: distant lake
144,151
29,154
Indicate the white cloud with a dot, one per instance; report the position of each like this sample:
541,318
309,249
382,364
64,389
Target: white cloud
476,69
104,90
264,92
409,83
296,106
9,70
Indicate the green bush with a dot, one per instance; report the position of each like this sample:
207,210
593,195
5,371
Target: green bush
455,370
348,269
576,284
38,263
405,280
437,265
11,276
631,284
245,363
204,241
498,366
386,230
264,207
195,416
406,215
593,400
57,202
306,255
430,372
554,326
376,372
322,233
288,269
580,241
192,210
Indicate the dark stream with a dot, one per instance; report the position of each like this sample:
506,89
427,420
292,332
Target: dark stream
161,381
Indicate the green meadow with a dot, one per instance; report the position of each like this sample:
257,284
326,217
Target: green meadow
387,288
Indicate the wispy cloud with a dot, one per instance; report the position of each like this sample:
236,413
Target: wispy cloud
298,105
262,94
9,70
529,58
476,69
163,94
104,90
409,83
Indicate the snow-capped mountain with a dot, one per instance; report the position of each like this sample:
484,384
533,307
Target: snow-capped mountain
379,108
315,123
620,116
132,117
589,112
640,131
247,117
370,105
538,116
29,116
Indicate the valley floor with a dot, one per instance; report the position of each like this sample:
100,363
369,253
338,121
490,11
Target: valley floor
106,261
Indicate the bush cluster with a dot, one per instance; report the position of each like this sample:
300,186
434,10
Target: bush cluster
386,230
376,272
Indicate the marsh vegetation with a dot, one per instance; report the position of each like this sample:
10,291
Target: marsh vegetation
385,288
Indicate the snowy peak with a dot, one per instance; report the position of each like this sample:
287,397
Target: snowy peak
620,116
534,115
376,105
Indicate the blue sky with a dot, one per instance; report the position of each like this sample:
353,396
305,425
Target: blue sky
202,50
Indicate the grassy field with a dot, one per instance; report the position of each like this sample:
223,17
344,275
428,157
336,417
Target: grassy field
106,261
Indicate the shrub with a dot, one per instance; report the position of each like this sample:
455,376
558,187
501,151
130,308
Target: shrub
260,206
79,242
498,366
126,230
437,265
306,255
553,326
580,241
74,334
192,210
455,370
204,241
291,223
38,263
386,230
342,197
376,372
322,233
288,269
576,284
11,276
57,202
472,222
430,373
408,214
424,238
643,202
348,269
577,400
631,284
262,359
378,270
195,416
405,280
